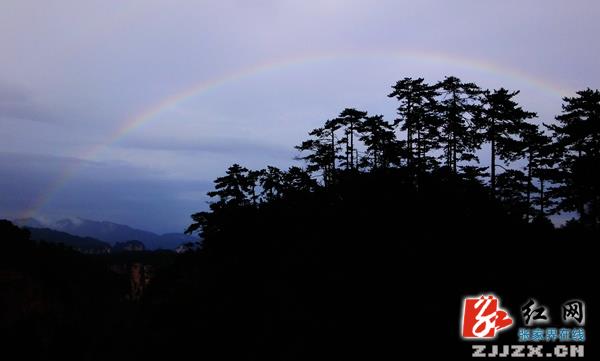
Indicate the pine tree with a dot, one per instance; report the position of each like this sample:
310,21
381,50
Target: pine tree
236,188
330,128
512,193
502,122
271,181
540,164
297,181
577,136
322,152
459,105
378,137
416,114
350,119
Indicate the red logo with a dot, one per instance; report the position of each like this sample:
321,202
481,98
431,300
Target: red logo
482,317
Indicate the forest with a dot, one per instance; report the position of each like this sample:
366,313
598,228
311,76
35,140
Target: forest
535,170
364,250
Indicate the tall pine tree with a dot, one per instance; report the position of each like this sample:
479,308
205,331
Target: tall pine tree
502,124
577,136
350,120
378,137
416,116
459,105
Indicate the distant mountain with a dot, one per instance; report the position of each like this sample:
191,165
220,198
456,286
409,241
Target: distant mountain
83,244
30,223
110,232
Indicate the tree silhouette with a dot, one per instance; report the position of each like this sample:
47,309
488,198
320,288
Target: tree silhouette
330,127
459,105
271,182
502,124
539,154
296,181
378,137
322,151
236,188
546,175
416,113
577,141
350,119
512,190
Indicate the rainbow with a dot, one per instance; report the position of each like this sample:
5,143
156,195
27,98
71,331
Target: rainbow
207,85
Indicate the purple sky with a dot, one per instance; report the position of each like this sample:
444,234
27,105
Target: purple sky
74,72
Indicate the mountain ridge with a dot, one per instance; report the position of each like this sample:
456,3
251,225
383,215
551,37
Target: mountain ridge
82,244
109,232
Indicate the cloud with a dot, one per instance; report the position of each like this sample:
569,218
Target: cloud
219,145
18,103
97,190
73,73
25,177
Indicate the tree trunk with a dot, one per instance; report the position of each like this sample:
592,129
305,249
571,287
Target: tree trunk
375,151
454,154
347,152
351,145
418,148
453,127
332,150
542,198
449,154
409,132
529,174
493,162
409,146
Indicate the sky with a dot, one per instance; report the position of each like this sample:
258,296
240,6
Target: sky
126,110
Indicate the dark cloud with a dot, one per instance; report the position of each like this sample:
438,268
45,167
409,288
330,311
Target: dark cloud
219,145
